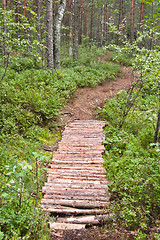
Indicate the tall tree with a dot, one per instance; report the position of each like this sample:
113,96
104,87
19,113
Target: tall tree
75,30
132,21
141,14
91,21
107,21
123,19
80,21
98,25
70,27
57,34
85,21
50,63
4,27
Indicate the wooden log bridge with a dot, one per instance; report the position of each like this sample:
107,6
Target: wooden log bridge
76,183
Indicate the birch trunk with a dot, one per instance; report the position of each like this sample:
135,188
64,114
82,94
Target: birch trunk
57,32
50,64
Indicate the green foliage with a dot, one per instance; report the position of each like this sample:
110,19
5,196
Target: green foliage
88,72
122,58
31,100
20,64
20,216
132,164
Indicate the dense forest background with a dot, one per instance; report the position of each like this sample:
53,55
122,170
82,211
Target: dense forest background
47,50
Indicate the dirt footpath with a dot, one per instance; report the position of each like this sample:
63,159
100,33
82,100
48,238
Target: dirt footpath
83,104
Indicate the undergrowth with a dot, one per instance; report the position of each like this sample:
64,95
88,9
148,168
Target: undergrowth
132,163
31,101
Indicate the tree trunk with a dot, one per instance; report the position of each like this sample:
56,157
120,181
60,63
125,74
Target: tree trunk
57,32
70,5
50,64
119,15
157,128
4,28
75,30
38,16
141,15
107,21
123,20
91,23
16,11
132,21
102,23
80,21
98,26
85,22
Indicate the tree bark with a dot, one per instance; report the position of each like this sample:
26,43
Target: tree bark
132,21
80,22
4,27
157,128
123,19
91,22
102,24
141,14
98,26
57,29
50,64
75,30
70,4
107,21
85,22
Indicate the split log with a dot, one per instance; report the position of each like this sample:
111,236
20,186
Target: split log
76,186
79,172
76,156
75,192
77,182
65,226
66,210
77,198
96,163
73,203
92,220
80,144
88,220
75,177
76,167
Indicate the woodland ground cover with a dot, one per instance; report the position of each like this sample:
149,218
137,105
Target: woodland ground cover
132,152
31,100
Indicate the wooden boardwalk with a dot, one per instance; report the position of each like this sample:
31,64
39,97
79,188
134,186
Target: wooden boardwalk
76,182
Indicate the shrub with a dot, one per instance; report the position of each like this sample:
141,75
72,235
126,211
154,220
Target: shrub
19,64
132,164
121,57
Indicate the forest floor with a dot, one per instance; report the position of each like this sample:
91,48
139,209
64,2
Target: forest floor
83,106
